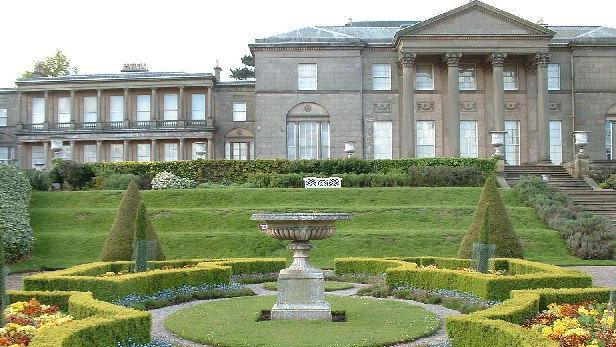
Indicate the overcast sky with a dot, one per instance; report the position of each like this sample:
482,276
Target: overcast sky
183,35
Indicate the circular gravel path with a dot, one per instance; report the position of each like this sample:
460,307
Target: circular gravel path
602,276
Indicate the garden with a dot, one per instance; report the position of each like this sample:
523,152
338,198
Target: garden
170,256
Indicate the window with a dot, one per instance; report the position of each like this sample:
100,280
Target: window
198,107
143,108
556,142
553,76
38,157
90,109
307,76
468,139
468,77
424,77
38,110
308,140
199,150
170,106
239,150
512,142
116,108
382,140
64,110
65,153
5,155
609,139
3,117
426,141
89,153
117,152
170,151
239,111
381,77
510,76
143,152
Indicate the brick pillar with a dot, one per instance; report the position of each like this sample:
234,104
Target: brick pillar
452,121
407,134
543,120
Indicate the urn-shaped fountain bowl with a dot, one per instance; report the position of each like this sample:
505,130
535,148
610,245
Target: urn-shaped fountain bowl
299,226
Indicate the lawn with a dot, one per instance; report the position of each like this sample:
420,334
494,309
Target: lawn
330,286
70,227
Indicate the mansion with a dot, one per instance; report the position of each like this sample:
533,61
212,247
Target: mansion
396,89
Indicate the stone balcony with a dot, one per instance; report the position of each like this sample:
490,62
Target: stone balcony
118,127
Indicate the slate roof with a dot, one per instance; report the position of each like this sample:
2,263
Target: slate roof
122,76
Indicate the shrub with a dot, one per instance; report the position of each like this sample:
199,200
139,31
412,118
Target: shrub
71,174
491,219
609,183
39,180
118,181
167,180
119,243
446,176
14,213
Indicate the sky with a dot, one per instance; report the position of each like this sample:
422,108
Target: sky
188,35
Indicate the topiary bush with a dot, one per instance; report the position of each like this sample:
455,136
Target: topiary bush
141,244
491,218
119,243
167,180
118,181
15,193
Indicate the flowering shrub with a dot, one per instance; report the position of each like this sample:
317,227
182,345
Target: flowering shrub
167,180
25,319
576,325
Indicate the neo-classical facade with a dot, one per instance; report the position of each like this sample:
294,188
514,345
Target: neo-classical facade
395,89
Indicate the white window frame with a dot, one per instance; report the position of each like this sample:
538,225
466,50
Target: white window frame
554,80
424,86
38,110
382,140
90,109
171,151
4,117
89,153
116,108
239,111
38,157
197,104
299,146
64,110
512,142
381,79
511,79
472,83
610,125
169,112
5,155
305,79
469,146
431,140
556,142
195,146
116,152
144,153
144,108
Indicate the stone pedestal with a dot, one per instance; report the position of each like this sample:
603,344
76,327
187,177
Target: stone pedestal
581,165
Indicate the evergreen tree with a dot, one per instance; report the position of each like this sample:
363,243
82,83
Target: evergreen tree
141,244
245,72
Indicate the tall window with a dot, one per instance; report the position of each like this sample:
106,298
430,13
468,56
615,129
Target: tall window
426,141
5,155
143,108
90,109
38,110
512,142
198,107
170,151
510,76
424,77
89,153
239,150
381,76
117,152
239,111
468,139
199,150
382,140
308,140
64,110
170,107
116,112
556,142
553,76
468,77
307,76
3,117
38,157
609,139
143,152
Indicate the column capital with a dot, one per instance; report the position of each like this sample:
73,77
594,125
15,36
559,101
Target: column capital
125,141
72,92
453,59
542,59
126,90
154,89
46,93
531,67
497,59
181,88
153,140
406,58
72,142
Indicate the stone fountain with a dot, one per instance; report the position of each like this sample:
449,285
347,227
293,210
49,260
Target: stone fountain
301,287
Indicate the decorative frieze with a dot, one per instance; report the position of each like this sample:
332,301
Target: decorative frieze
512,106
542,59
555,106
468,106
497,59
425,106
453,59
382,107
406,58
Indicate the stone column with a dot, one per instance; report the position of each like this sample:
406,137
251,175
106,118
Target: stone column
73,154
181,108
126,108
46,155
73,111
210,149
497,60
452,121
20,107
614,139
99,151
19,156
99,105
543,120
181,150
46,108
209,103
407,133
153,151
126,150
154,105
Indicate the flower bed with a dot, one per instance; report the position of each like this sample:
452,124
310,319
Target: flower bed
24,319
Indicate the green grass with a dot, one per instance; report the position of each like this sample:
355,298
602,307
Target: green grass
330,286
370,322
70,227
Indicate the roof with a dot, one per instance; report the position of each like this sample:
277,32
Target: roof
8,90
123,76
584,35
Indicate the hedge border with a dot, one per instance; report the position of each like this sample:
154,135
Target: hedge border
527,275
97,324
86,277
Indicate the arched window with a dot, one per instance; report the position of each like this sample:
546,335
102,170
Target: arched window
308,132
239,144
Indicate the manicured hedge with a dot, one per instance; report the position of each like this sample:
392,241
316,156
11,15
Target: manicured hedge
98,323
499,325
367,266
522,275
166,275
15,214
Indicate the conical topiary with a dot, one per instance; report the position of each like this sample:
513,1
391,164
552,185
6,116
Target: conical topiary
492,222
142,245
120,241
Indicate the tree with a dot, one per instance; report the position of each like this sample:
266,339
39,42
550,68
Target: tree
491,225
53,66
120,241
142,242
246,72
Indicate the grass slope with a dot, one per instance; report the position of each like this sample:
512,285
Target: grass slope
70,227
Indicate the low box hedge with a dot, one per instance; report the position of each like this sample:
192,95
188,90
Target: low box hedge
97,324
166,275
500,325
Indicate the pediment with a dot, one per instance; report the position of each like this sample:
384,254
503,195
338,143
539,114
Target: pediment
476,19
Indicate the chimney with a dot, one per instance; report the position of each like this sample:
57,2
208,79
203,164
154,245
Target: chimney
134,67
217,71
38,71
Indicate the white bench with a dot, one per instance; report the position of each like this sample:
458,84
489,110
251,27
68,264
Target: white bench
317,182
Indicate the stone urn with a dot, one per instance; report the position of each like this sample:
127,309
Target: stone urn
301,287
